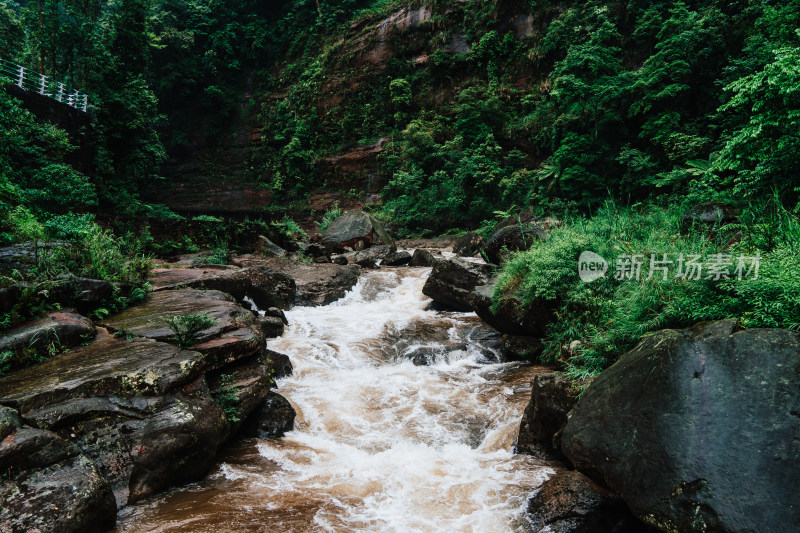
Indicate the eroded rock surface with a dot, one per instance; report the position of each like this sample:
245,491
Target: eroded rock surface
698,430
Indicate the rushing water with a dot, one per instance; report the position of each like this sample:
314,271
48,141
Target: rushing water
380,444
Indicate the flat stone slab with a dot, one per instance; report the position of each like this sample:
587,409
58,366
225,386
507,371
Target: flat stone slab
149,318
109,365
266,287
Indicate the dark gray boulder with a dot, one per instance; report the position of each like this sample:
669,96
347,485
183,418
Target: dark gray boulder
521,348
422,258
279,364
271,326
569,502
552,398
468,244
355,229
511,316
55,332
711,213
510,239
451,282
396,259
698,430
47,485
274,417
269,248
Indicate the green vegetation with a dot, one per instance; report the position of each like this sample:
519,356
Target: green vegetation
599,113
609,315
187,328
227,397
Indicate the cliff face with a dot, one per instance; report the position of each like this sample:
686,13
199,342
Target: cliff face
342,92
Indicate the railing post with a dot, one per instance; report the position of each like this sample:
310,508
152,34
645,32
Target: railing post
21,76
60,96
85,102
42,79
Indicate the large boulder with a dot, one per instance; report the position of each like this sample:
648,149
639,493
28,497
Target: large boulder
266,287
451,282
698,430
552,398
512,238
569,502
422,258
317,284
274,417
131,406
400,258
355,227
468,244
511,316
47,485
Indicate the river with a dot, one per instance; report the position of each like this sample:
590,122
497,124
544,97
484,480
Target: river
380,444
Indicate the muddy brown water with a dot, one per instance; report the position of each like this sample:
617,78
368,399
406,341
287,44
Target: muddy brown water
380,444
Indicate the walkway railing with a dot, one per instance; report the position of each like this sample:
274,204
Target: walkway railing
30,80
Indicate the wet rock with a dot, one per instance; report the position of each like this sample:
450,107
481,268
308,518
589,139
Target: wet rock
312,249
511,316
272,327
317,284
322,259
355,227
396,259
711,213
266,287
89,294
339,260
106,366
569,502
552,399
232,345
512,238
9,296
370,255
422,258
269,248
241,388
9,422
49,486
56,331
520,347
420,358
468,244
22,257
277,313
697,429
272,419
451,282
148,318
279,364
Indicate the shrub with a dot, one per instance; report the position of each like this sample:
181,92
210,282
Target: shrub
187,328
327,219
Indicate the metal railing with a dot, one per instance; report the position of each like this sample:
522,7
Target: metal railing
30,80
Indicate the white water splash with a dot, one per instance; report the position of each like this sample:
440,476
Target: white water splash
379,443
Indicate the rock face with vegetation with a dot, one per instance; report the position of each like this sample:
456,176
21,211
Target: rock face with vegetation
553,397
697,429
143,405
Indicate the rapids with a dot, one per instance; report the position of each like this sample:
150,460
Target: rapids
380,444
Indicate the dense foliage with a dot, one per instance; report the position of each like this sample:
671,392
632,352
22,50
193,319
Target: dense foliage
478,108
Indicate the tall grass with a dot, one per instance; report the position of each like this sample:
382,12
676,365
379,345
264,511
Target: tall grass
609,315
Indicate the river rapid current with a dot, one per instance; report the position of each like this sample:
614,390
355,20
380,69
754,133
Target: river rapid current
380,444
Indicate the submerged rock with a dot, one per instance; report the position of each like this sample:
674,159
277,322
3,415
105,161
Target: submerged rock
697,430
569,502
